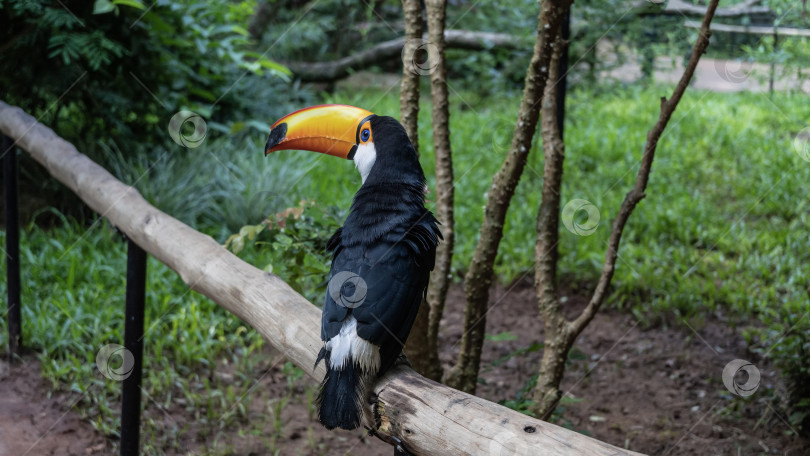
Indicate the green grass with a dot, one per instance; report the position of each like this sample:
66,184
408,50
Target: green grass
724,226
724,220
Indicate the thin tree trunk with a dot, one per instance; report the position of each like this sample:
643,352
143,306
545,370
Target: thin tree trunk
409,90
560,332
417,348
479,277
546,254
440,279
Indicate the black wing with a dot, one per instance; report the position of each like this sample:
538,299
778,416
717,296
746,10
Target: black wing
395,275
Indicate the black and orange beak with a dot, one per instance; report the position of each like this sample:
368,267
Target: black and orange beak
329,129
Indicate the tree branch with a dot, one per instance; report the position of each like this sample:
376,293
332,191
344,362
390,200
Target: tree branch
387,50
637,193
557,334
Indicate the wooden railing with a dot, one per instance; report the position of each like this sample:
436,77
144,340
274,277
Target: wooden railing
426,417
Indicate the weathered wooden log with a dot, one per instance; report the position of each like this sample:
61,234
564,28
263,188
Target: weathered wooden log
427,417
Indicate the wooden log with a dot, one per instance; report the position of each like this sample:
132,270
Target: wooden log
427,417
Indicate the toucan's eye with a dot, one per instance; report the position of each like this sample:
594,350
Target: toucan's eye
364,135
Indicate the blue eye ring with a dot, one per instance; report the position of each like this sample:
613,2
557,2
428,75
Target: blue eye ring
365,134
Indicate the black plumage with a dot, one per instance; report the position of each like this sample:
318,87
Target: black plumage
389,240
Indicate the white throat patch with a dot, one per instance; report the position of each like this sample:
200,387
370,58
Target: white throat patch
364,159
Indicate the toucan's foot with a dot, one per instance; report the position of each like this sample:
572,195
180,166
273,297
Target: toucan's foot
400,450
402,360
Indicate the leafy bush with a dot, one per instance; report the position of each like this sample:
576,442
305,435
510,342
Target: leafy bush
217,187
73,305
292,244
119,69
110,75
786,339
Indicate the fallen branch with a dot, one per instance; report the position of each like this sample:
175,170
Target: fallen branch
429,418
391,50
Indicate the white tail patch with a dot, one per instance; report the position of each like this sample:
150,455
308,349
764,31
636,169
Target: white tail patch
347,345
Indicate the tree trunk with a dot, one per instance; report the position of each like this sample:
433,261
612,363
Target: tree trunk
560,332
417,348
478,280
440,279
557,329
409,90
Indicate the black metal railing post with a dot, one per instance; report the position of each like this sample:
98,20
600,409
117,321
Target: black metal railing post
12,248
133,341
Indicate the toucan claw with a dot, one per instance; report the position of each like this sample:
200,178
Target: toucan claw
399,450
402,360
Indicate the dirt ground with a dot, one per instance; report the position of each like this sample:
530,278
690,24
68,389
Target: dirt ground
653,390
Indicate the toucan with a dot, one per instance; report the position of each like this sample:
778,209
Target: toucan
381,256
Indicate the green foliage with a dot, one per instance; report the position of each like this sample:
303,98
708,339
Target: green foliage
111,75
217,187
292,244
73,295
786,339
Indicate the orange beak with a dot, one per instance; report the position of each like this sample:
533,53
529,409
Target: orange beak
329,129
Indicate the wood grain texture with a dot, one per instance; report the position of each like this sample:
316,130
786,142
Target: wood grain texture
429,418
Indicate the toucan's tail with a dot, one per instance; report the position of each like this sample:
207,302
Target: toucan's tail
340,400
